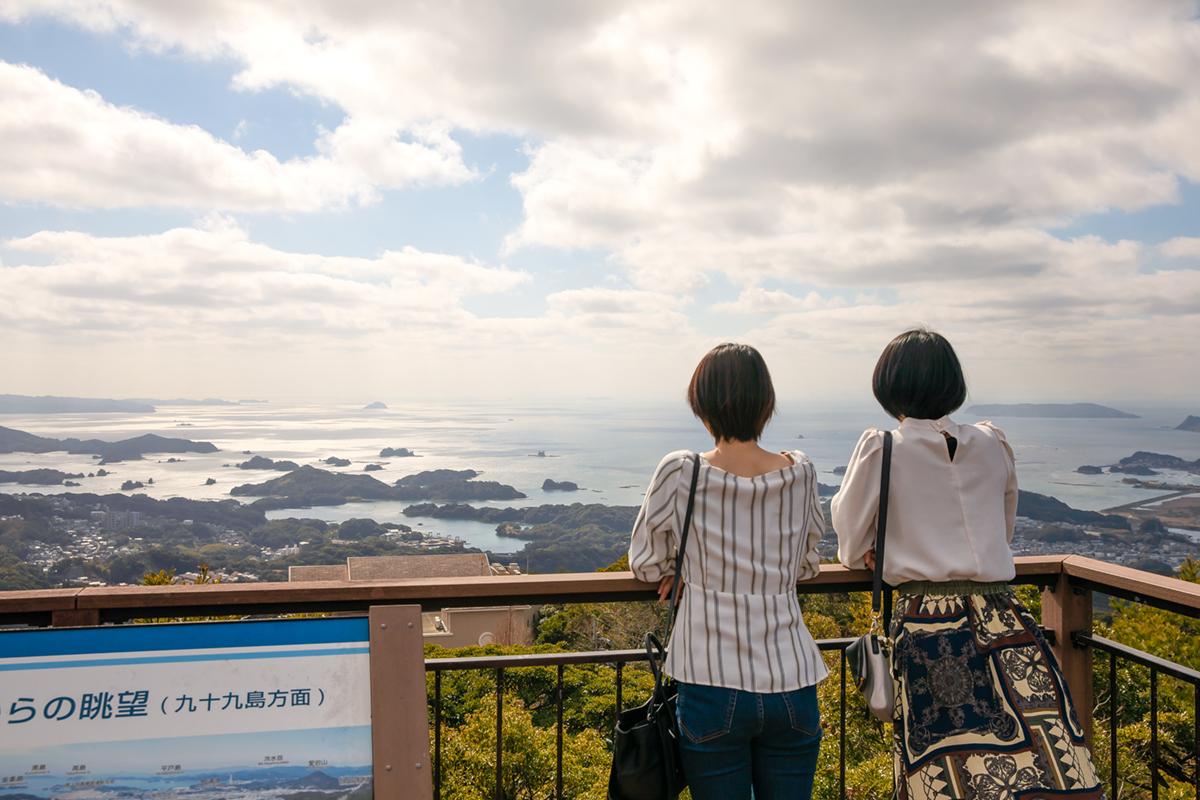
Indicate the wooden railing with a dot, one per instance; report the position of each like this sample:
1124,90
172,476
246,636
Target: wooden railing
115,604
1068,583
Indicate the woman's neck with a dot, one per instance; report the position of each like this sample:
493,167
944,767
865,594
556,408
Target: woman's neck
746,459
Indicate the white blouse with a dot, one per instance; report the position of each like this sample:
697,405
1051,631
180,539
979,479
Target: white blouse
947,519
739,624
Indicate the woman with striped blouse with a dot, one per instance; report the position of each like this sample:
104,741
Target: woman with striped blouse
746,664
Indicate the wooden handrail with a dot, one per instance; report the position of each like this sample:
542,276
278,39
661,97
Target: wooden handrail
1133,584
122,603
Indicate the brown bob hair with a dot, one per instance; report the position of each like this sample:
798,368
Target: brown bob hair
731,392
918,375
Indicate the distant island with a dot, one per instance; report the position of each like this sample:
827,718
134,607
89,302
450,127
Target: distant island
376,406
396,452
311,486
180,401
1145,463
262,462
1050,411
38,477
25,404
335,461
549,485
47,404
14,441
1190,424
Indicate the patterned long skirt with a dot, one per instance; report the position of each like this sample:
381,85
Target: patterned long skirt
982,709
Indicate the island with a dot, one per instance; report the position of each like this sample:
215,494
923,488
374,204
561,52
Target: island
129,486
451,484
376,406
40,477
1089,469
549,485
262,462
312,486
1192,424
396,452
334,461
15,441
372,468
182,401
210,482
24,404
1145,463
1050,411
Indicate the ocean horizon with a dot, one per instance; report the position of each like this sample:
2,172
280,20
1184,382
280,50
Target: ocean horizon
608,449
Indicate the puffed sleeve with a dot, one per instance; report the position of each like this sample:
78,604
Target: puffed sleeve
810,564
855,507
652,545
1011,492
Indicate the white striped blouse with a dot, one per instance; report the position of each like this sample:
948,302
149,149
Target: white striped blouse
739,624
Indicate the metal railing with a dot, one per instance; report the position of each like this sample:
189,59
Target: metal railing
618,659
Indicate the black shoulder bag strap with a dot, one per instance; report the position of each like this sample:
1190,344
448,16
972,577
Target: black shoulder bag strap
880,599
683,537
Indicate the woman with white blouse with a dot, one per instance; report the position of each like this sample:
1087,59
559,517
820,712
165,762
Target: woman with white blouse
746,664
982,709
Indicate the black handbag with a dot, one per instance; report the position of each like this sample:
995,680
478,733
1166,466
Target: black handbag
870,656
646,763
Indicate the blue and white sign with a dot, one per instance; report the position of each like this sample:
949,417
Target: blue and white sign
212,710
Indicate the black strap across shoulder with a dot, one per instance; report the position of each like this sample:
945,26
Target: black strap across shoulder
683,537
879,598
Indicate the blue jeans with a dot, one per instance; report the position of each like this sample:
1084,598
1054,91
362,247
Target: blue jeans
732,740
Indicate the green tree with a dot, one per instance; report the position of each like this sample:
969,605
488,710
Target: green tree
468,758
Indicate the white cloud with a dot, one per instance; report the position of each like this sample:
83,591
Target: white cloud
767,302
69,147
914,158
213,281
1181,247
626,310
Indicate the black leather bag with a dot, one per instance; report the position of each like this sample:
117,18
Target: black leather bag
646,763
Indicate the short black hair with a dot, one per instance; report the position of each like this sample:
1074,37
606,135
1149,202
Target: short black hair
731,392
918,376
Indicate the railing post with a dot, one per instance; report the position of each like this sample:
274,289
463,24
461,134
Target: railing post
399,709
1066,610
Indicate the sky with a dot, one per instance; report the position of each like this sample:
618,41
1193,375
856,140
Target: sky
394,201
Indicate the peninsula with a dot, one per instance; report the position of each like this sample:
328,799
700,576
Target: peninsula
1050,411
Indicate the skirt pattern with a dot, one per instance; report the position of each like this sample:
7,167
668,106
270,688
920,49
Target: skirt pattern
982,708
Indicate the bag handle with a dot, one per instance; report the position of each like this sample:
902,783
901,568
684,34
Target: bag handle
882,601
655,654
683,537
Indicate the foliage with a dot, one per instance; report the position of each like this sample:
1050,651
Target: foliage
1170,636
529,759
589,700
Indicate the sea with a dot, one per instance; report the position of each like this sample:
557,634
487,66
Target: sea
610,449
